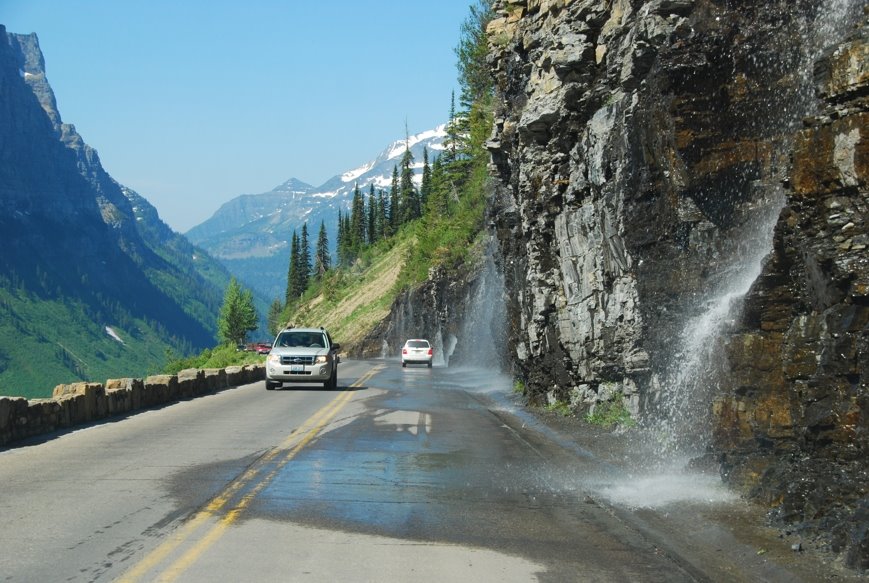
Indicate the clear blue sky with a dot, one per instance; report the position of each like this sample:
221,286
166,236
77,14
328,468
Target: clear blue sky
191,103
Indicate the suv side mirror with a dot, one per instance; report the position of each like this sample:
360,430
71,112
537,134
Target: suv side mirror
336,347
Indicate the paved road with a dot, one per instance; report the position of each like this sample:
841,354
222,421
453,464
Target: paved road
410,474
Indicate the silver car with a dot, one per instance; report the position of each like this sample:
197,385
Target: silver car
303,355
416,350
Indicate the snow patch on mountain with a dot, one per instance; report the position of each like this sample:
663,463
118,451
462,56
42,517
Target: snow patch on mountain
382,181
354,174
113,334
397,149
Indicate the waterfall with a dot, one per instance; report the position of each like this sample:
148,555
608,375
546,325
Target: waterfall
679,427
482,337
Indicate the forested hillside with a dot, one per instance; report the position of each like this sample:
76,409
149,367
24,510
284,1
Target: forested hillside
92,283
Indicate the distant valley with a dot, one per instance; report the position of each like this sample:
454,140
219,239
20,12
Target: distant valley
93,285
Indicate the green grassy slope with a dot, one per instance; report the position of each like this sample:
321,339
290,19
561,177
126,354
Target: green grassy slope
49,342
350,302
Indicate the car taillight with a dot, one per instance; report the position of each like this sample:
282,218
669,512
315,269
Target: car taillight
429,352
404,350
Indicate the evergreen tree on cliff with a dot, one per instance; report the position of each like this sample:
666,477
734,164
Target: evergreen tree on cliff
469,128
425,186
384,212
372,215
341,243
322,260
304,258
456,189
237,315
475,79
474,76
357,220
293,270
394,210
449,155
438,191
409,205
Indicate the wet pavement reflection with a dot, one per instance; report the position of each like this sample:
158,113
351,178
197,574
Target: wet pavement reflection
424,457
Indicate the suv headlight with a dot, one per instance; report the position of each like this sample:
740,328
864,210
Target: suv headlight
274,358
322,359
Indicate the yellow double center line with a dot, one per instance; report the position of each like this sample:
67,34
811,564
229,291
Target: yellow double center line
297,440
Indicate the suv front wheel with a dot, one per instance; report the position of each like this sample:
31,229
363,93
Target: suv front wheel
272,385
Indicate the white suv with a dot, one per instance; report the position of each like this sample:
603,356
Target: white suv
416,350
303,355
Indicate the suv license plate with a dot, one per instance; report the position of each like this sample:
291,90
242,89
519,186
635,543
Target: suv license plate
297,368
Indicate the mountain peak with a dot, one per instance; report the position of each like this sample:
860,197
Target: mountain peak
250,233
293,185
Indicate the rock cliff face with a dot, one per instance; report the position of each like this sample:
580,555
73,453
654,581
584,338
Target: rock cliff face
643,153
793,426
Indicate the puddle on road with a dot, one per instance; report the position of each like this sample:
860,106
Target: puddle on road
414,463
426,463
619,484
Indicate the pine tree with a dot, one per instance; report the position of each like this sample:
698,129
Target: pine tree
408,201
357,220
474,72
384,228
341,243
237,315
299,282
450,143
372,215
394,208
349,249
425,186
475,122
440,191
304,258
293,271
322,261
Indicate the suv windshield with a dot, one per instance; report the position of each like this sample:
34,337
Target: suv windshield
417,344
299,339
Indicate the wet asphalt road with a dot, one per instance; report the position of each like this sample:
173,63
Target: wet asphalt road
421,461
410,474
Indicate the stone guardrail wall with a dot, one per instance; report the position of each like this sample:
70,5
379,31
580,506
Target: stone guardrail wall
86,402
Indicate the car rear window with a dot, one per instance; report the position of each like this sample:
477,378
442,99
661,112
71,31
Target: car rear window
417,343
